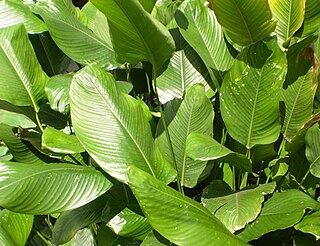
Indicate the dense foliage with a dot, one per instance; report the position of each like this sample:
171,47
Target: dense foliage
144,122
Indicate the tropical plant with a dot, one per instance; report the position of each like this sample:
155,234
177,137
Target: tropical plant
144,122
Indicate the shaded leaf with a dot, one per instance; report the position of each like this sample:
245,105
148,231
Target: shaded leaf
48,188
14,12
310,224
204,148
282,210
15,119
136,35
15,227
246,21
195,113
311,18
22,79
235,209
250,94
57,90
112,126
83,237
185,222
289,15
68,31
155,239
313,149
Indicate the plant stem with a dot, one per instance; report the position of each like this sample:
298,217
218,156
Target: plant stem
39,122
303,179
244,179
43,238
165,126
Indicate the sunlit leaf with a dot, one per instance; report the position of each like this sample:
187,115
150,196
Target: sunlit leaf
310,224
313,149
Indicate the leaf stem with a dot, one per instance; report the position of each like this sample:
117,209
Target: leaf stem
39,122
303,179
244,179
165,126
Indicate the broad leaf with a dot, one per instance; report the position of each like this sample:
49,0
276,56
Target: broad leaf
148,4
301,85
22,79
48,188
21,150
235,209
311,18
184,222
130,224
199,26
112,126
14,12
57,90
289,15
15,227
184,70
245,21
15,119
136,35
68,32
313,149
83,237
250,94
52,59
60,142
204,148
281,211
195,113
310,224
155,239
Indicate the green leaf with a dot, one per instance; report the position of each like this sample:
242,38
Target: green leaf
184,70
311,18
194,114
155,239
15,227
246,21
83,237
130,224
282,210
136,35
51,58
250,94
112,126
310,224
204,148
57,90
21,150
175,216
15,119
148,4
14,12
48,188
313,149
289,15
235,209
60,142
199,26
22,79
68,32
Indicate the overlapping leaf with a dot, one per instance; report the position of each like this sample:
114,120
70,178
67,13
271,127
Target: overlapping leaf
22,79
14,12
195,113
72,36
184,222
48,188
112,126
199,26
283,210
136,35
203,147
311,18
235,210
310,224
246,21
250,94
289,15
313,149
14,228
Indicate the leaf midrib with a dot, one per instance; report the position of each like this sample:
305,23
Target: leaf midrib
243,19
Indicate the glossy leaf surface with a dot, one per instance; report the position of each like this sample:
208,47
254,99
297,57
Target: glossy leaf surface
246,21
195,113
204,148
48,188
310,224
313,149
22,79
250,94
235,209
15,119
136,35
185,222
283,210
124,137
